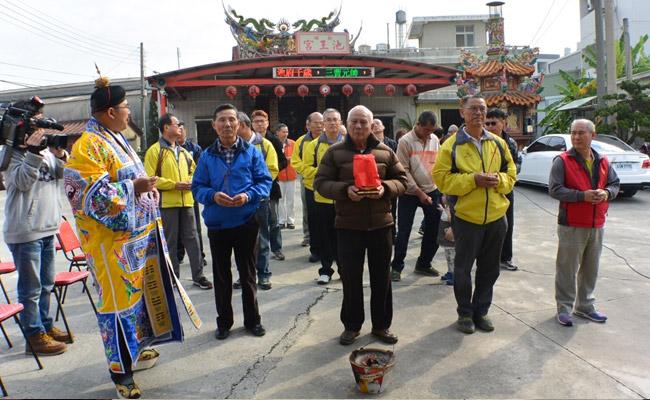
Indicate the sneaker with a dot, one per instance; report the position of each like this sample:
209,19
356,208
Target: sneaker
147,359
465,325
484,323
595,316
508,265
305,243
43,345
282,226
447,276
264,284
564,319
291,226
348,337
204,283
395,276
130,391
324,279
278,255
60,336
236,284
313,258
428,271
450,281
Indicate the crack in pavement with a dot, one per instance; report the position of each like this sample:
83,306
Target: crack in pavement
573,353
256,374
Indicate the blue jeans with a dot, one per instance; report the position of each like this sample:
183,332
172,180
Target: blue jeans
35,265
263,216
406,207
274,227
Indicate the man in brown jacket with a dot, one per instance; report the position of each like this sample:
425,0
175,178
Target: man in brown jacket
363,222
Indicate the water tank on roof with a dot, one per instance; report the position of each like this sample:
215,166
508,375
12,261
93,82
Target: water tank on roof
364,49
382,46
400,17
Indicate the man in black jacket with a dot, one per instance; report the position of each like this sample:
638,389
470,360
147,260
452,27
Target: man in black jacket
260,121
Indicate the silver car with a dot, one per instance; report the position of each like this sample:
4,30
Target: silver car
631,166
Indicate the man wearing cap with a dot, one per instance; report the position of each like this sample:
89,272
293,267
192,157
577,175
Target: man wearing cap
174,166
114,203
32,218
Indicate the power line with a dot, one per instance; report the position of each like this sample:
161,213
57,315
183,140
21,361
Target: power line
62,41
543,22
44,22
44,70
18,84
24,77
554,20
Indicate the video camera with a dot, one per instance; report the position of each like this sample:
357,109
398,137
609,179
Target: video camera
19,121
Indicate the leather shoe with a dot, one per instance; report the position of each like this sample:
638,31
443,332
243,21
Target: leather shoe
348,337
222,333
385,335
257,330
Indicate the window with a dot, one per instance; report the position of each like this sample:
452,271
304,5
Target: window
542,144
557,144
464,35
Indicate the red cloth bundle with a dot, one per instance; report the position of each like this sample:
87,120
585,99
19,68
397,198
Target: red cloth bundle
364,168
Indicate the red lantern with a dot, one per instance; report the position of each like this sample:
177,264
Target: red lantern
369,90
279,91
411,89
303,91
324,90
231,92
347,90
390,89
253,91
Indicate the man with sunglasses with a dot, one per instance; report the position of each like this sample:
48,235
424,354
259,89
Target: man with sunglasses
496,122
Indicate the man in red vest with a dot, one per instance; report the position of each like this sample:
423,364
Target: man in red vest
584,182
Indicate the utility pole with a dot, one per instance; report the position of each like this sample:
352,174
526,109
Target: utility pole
601,87
142,99
610,42
628,50
178,57
388,35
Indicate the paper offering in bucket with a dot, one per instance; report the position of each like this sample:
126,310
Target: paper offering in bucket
370,367
366,176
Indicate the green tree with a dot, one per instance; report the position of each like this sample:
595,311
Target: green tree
407,122
573,89
631,113
640,61
152,124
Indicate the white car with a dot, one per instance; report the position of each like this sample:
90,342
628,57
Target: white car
631,166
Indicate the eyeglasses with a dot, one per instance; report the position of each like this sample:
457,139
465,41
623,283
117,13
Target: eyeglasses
491,123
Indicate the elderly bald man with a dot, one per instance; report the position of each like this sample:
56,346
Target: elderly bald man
363,223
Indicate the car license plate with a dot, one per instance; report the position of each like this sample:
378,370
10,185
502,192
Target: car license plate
622,166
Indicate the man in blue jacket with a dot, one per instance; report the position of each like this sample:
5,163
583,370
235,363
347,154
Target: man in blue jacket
230,180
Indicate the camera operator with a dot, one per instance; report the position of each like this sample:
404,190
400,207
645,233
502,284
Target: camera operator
32,218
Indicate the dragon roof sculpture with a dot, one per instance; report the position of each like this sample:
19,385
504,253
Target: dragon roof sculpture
260,38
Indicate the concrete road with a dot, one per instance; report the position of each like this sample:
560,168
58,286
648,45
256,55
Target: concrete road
528,355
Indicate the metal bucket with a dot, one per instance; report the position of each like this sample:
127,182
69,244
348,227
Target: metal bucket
370,367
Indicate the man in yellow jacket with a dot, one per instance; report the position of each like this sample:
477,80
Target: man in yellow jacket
174,166
324,234
475,169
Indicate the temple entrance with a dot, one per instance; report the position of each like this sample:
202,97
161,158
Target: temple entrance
450,116
293,111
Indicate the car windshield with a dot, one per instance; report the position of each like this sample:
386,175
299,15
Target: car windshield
614,141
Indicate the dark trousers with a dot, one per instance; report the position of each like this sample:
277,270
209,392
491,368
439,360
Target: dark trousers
314,240
325,215
181,246
506,251
243,239
406,208
352,246
483,244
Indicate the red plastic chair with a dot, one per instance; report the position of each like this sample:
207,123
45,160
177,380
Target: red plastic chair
7,311
6,268
61,282
69,243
